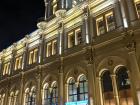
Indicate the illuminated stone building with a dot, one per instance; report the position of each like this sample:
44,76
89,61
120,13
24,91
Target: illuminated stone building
84,52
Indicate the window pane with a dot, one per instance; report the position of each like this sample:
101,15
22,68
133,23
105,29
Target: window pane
110,21
100,26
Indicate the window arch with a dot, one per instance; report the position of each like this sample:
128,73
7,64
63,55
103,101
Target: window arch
78,91
124,88
2,98
11,99
54,94
83,88
72,90
107,89
46,95
30,96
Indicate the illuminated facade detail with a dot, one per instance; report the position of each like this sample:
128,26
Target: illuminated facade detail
74,37
2,99
105,23
46,95
78,92
54,5
33,56
30,96
137,3
85,52
13,98
6,68
18,63
51,48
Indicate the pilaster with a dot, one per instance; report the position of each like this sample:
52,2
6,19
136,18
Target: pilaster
21,91
100,96
61,84
132,12
124,13
115,90
39,96
91,76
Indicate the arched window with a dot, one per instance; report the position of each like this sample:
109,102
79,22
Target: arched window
124,88
2,98
83,88
107,89
54,95
72,90
46,97
30,97
27,95
11,98
78,92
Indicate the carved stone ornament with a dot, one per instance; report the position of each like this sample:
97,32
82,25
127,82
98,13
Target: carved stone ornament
89,55
129,40
110,62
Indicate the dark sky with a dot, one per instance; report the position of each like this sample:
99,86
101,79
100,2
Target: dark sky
18,18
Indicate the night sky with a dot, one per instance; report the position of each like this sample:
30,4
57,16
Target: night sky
18,18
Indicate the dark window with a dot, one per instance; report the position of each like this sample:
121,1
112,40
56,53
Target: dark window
54,95
108,95
124,87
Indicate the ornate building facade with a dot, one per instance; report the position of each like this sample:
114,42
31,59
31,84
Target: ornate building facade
84,52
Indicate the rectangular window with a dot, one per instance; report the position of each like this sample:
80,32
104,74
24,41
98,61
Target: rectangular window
71,39
110,23
18,63
54,47
33,56
6,69
49,49
100,26
105,23
78,36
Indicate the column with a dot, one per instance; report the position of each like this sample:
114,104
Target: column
115,90
135,74
91,85
60,39
39,97
61,89
12,59
41,48
132,11
133,90
21,91
124,12
6,95
86,28
24,62
61,84
118,15
86,23
99,85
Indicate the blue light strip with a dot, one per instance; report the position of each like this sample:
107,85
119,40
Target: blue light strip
85,102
